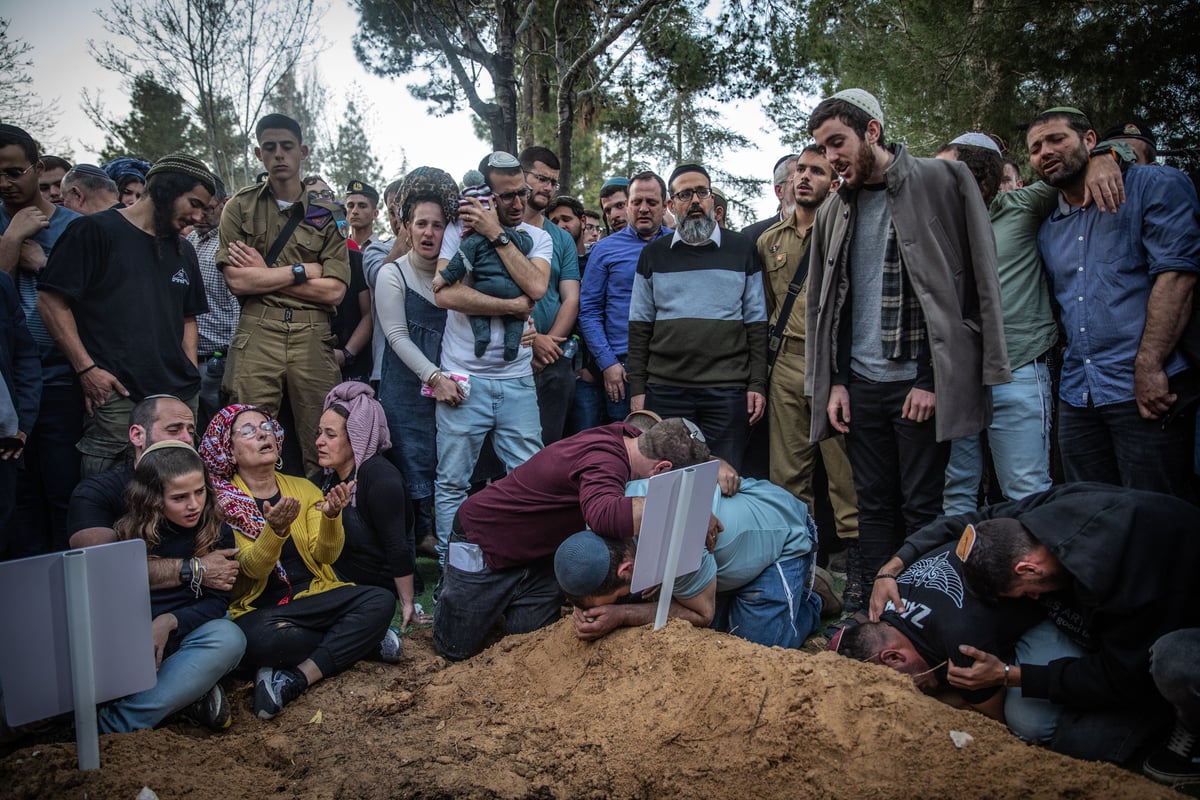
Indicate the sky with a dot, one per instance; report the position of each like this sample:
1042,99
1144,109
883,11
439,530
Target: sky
397,125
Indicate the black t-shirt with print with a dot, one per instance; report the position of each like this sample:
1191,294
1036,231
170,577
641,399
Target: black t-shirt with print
940,614
129,294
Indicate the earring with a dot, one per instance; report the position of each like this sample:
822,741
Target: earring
279,463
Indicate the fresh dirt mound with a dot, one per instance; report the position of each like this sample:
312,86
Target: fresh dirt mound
677,713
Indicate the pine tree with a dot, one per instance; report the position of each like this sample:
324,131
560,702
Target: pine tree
352,157
157,124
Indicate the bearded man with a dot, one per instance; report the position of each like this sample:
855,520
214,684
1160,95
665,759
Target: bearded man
904,328
698,323
109,264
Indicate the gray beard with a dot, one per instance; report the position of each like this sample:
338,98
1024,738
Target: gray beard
695,231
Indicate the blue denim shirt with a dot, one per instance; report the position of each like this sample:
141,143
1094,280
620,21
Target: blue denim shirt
1102,267
605,292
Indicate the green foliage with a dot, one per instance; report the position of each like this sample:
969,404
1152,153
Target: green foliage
352,157
941,68
157,124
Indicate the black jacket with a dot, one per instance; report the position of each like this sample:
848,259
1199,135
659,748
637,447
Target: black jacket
1133,557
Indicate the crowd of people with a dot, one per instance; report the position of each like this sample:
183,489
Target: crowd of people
904,340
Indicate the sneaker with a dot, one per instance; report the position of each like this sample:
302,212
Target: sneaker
391,646
211,710
1178,762
275,688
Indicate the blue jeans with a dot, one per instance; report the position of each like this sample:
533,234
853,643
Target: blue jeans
1173,660
588,410
1035,719
778,608
509,409
1019,437
204,657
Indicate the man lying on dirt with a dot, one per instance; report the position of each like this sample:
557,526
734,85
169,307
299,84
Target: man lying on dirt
499,565
1116,568
921,636
756,583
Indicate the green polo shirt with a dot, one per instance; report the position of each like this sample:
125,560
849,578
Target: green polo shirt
1029,326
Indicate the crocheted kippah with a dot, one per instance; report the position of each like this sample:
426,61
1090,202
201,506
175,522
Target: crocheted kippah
178,162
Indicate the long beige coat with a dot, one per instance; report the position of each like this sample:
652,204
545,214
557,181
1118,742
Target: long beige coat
947,246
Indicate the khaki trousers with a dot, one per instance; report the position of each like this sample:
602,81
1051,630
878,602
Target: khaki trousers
275,348
793,455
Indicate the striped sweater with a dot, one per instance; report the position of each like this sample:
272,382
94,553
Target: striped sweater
698,316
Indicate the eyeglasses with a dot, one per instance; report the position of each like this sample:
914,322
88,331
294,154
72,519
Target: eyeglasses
508,197
693,429
685,195
591,226
250,430
552,182
12,173
324,194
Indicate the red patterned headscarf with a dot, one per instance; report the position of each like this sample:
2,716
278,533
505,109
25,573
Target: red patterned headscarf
216,448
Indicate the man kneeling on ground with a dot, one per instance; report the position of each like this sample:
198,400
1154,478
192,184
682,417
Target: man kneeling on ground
756,583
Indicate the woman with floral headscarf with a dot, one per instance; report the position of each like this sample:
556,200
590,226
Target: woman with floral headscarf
301,622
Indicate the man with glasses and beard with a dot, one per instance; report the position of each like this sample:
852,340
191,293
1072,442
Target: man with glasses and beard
106,265
502,398
698,323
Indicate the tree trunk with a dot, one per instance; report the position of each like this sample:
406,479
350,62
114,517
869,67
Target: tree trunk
504,126
566,132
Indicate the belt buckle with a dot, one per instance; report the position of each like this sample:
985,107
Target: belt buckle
287,315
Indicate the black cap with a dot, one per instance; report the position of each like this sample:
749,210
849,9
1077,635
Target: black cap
365,189
1134,129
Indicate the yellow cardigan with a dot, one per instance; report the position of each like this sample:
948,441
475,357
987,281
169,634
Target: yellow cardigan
318,538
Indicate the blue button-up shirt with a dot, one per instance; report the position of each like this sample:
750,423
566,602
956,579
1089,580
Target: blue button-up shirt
605,292
1102,268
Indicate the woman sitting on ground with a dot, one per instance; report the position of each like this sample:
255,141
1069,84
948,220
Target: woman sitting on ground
352,441
195,645
302,624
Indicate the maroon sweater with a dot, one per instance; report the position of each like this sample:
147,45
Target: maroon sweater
574,482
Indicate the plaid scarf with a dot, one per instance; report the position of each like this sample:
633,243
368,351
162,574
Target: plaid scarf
902,324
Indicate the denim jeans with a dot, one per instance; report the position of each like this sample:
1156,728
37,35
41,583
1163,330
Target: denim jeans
1173,665
899,469
588,410
778,608
1035,719
1114,444
508,408
1019,438
204,657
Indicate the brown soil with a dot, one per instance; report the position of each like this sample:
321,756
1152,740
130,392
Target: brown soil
678,713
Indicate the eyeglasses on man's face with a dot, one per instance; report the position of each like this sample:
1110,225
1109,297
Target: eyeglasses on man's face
508,197
14,173
685,195
546,179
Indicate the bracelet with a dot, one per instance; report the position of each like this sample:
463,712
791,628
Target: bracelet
433,379
886,576
198,570
86,369
1007,667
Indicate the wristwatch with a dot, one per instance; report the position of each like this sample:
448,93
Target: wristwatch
299,276
501,240
185,572
348,357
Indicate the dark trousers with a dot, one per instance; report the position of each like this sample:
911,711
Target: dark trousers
334,628
555,393
48,475
1115,444
899,469
720,411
